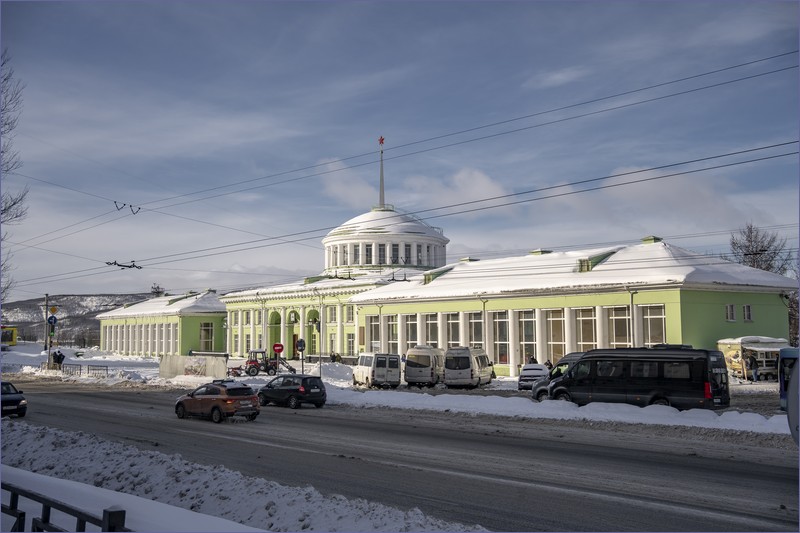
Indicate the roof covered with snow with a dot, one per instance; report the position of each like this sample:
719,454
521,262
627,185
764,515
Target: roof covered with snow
186,304
386,221
654,263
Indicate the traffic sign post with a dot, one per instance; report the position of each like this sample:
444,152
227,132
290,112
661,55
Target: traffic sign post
52,320
277,347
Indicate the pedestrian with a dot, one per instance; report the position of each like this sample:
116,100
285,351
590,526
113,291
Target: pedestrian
753,362
548,364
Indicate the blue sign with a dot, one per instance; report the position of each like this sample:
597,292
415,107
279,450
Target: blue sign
52,320
301,345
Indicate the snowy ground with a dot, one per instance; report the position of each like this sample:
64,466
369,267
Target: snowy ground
153,476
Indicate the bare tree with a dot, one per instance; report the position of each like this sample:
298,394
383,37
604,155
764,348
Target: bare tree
12,207
764,250
760,249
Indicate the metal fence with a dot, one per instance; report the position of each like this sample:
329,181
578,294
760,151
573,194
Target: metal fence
113,519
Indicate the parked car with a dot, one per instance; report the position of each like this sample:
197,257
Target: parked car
218,400
678,376
467,367
377,369
293,390
529,374
539,388
424,366
14,403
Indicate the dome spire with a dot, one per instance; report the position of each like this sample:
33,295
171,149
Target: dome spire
381,199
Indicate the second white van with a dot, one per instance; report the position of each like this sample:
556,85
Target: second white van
424,366
466,367
377,369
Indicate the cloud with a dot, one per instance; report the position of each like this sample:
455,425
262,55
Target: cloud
346,188
556,78
465,186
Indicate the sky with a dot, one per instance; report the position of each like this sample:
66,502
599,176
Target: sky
34,455
214,144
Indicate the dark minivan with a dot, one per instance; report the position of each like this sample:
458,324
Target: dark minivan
539,389
675,375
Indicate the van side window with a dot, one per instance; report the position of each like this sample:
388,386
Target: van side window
644,369
609,369
582,370
676,370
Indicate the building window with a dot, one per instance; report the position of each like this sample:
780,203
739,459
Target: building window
334,255
619,332
357,254
476,329
419,254
246,318
395,255
367,254
430,256
374,330
747,315
500,328
556,336
654,324
391,322
344,255
235,318
331,314
257,319
730,313
206,336
432,330
527,335
351,344
453,330
586,329
411,332
247,346
349,314
381,254
407,254
332,343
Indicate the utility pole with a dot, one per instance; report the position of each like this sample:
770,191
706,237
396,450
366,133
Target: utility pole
45,324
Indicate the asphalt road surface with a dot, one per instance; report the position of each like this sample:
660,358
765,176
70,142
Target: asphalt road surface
505,474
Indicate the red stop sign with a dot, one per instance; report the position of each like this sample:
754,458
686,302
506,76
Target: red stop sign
277,347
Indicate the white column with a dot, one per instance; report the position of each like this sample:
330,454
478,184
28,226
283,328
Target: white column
489,343
569,330
422,333
282,335
601,321
339,328
303,325
440,320
401,333
513,342
374,253
542,354
463,328
240,330
638,330
382,329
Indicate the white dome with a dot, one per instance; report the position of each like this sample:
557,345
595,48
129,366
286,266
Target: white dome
385,221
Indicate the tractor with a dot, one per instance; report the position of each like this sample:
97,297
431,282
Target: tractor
260,361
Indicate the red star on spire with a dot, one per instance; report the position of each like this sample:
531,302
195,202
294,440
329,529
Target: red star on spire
380,141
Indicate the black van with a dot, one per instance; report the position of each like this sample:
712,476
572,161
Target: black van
680,376
539,388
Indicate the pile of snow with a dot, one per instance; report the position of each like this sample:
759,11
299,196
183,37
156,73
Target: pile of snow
175,483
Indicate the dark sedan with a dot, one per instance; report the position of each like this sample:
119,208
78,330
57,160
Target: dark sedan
293,390
14,403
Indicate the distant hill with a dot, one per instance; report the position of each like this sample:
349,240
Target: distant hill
77,322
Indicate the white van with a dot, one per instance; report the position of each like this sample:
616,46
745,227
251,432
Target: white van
377,369
424,365
467,367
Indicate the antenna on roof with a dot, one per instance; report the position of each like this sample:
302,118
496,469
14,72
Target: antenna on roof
381,199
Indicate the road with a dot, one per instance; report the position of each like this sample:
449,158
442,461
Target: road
503,473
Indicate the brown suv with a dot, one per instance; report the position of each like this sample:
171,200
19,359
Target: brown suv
218,400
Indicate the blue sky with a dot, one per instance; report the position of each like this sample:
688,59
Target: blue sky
148,103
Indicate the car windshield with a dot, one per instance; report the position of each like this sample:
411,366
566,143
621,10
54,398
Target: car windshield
8,388
418,361
240,391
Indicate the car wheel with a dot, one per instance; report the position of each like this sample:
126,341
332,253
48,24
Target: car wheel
541,396
293,402
660,401
318,405
180,411
216,415
271,372
355,381
262,400
252,371
563,396
252,417
21,414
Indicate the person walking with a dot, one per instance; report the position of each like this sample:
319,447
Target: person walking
753,366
